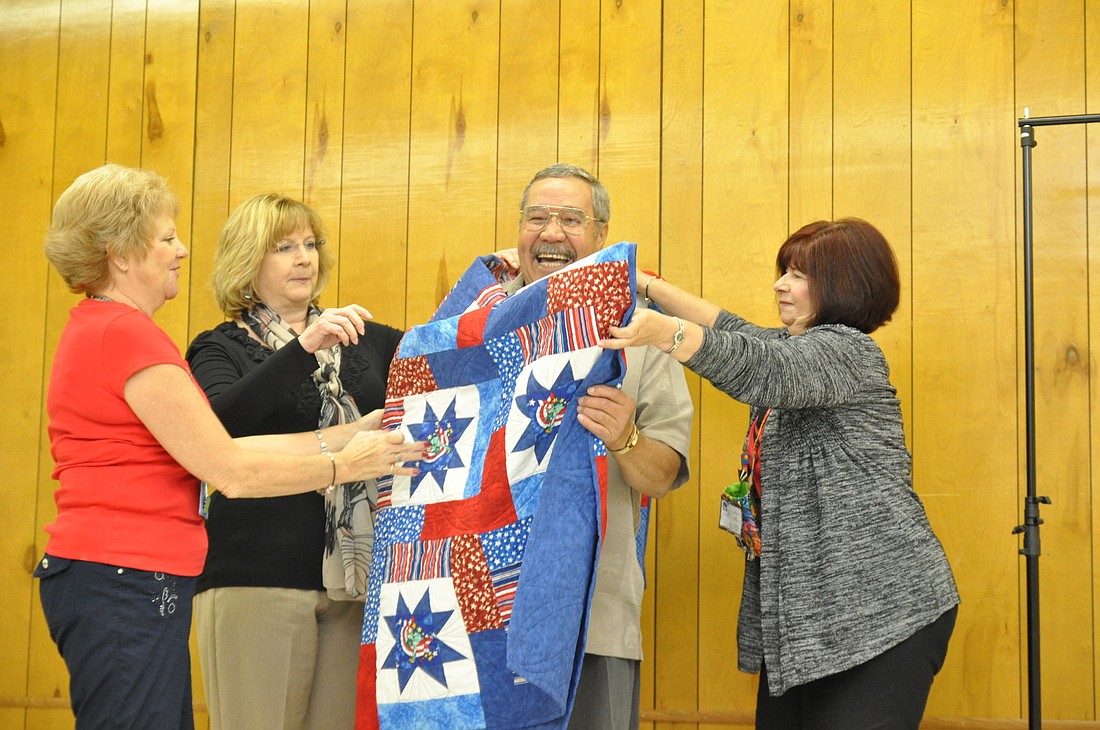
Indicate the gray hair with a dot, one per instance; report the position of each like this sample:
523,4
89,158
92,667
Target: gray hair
601,203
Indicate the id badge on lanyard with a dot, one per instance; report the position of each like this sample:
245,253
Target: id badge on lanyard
738,514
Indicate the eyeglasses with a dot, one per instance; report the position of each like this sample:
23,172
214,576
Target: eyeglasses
534,218
287,248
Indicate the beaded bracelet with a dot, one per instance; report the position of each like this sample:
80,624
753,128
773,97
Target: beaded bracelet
331,458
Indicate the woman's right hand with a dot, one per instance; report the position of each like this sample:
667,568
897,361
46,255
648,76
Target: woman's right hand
646,327
337,325
370,454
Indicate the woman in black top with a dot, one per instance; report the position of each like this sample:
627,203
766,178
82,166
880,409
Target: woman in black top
279,635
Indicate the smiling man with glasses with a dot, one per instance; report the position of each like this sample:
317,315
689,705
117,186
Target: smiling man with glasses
646,427
563,217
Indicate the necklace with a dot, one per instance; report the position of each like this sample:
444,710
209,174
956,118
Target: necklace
101,298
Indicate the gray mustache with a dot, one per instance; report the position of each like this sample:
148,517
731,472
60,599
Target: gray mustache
554,251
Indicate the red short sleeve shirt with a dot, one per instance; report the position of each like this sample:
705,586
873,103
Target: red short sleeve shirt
122,499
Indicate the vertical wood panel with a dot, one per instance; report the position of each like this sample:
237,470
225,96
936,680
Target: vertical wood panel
375,188
527,119
79,145
1092,187
269,99
745,156
28,55
630,134
872,133
213,132
673,583
452,189
325,128
965,336
630,116
1054,84
167,140
744,220
811,111
579,85
125,93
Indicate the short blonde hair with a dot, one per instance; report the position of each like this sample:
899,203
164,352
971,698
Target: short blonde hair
252,231
108,211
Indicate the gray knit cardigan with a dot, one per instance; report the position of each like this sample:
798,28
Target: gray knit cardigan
850,566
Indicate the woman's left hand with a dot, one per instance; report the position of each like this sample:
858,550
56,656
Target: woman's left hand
338,325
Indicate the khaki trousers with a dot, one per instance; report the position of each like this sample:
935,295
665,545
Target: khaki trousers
278,658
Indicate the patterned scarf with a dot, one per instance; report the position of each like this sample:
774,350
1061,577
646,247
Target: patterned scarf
349,508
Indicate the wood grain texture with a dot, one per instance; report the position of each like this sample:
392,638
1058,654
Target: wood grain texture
325,79
126,92
452,191
812,143
213,146
872,130
1092,185
675,533
745,183
965,388
578,83
528,106
718,127
27,103
1054,84
374,194
167,141
79,144
270,115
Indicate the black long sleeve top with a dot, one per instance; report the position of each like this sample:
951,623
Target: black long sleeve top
275,541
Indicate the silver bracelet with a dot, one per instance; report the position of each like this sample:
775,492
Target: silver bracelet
645,293
678,338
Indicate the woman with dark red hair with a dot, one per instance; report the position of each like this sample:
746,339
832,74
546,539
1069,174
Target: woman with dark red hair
848,601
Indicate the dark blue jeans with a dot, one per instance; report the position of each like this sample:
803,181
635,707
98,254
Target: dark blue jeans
888,692
123,635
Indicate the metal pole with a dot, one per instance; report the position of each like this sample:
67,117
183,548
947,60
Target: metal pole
1030,528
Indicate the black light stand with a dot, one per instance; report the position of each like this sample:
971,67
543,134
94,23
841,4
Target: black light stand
1030,528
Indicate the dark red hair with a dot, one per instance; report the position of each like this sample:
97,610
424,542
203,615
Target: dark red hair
851,271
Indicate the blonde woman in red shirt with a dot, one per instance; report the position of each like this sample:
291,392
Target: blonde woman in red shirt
131,436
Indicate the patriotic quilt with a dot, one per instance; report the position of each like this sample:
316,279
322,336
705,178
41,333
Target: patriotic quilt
484,563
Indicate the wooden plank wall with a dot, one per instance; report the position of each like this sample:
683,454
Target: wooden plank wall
718,127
